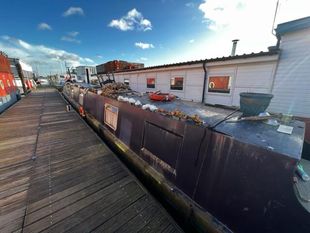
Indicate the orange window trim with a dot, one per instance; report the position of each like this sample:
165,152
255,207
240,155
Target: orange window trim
150,81
219,82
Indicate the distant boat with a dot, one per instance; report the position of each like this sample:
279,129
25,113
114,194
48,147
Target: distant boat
9,93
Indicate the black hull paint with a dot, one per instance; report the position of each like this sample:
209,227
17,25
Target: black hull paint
203,173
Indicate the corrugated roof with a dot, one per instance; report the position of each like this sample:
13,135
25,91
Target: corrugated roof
243,56
294,25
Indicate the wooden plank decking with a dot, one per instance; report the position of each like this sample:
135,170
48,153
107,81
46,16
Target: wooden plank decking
56,175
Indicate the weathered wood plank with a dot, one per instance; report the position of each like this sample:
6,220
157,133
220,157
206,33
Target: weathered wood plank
55,217
69,191
115,222
68,200
75,183
104,206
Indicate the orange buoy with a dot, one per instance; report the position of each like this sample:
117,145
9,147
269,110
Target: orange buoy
81,111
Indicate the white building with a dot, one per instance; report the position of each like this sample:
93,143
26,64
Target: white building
291,85
283,71
85,73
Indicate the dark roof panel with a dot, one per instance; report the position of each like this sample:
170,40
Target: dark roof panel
250,55
294,25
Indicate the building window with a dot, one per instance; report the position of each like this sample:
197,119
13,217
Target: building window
8,83
219,84
176,83
126,81
150,82
1,85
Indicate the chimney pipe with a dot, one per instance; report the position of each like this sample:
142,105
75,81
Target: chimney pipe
233,50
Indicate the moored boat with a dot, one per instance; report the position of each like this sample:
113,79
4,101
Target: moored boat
221,176
9,94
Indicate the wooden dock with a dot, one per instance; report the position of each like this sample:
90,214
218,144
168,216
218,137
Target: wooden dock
56,175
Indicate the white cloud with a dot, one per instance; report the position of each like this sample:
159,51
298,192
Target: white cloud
9,49
71,37
121,24
5,37
88,60
24,44
143,59
222,13
190,4
73,11
134,14
99,56
133,20
146,24
191,41
73,34
46,58
292,9
44,26
244,14
144,45
249,21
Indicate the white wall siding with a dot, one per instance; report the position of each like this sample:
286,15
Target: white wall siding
245,77
162,81
255,75
134,81
220,98
292,81
141,80
192,86
253,78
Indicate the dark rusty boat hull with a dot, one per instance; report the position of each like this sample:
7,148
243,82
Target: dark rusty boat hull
218,182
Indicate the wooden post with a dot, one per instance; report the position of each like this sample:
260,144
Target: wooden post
21,76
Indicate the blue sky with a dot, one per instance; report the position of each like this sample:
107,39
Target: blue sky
47,33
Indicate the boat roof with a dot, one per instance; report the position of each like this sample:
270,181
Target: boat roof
256,133
267,136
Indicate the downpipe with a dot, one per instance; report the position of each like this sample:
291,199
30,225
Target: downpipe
204,81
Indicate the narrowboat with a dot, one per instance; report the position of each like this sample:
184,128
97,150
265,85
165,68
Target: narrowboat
219,173
9,93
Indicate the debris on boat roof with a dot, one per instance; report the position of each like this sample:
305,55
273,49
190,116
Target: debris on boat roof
176,113
114,89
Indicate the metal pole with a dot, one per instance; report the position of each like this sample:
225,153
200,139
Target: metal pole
274,18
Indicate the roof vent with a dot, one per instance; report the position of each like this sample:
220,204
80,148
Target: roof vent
273,48
233,50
